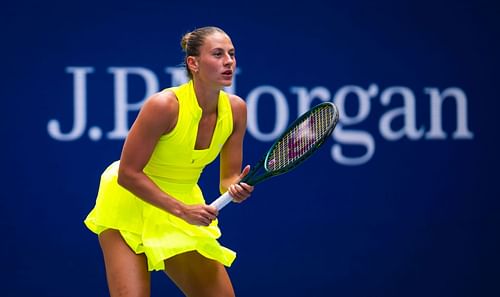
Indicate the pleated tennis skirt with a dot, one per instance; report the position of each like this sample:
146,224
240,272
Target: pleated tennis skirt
150,230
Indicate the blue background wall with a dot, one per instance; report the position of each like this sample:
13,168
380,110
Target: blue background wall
419,217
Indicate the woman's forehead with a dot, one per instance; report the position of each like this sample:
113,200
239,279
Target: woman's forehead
216,40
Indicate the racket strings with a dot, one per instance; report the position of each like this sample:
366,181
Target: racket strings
302,138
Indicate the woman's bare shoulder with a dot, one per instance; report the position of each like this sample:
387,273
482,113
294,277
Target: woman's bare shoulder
160,110
239,109
163,101
238,105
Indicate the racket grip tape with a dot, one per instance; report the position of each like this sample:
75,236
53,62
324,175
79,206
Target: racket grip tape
222,201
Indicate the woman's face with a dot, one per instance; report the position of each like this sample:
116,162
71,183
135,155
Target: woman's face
217,62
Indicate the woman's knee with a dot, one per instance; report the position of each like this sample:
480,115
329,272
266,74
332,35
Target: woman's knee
196,275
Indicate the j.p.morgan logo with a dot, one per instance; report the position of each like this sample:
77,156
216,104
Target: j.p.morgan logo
346,136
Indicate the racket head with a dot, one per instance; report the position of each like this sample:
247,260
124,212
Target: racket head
304,136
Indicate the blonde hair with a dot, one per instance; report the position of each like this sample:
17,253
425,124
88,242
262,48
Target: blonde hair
192,41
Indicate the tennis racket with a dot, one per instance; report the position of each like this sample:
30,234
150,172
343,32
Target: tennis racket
304,136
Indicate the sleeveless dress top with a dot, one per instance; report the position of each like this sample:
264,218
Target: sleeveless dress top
175,166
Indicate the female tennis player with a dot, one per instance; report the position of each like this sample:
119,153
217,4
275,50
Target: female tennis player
150,213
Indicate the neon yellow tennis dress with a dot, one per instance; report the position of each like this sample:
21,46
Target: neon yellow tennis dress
175,166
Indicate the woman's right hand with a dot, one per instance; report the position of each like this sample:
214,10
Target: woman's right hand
199,214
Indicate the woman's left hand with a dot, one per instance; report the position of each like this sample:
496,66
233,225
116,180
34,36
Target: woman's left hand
241,191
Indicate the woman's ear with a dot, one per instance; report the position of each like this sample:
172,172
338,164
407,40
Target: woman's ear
192,63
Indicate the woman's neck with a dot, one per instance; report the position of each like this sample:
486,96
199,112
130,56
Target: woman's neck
208,97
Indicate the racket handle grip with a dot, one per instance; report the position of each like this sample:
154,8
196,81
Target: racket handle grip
222,201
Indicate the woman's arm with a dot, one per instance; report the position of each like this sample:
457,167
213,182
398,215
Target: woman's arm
157,117
231,156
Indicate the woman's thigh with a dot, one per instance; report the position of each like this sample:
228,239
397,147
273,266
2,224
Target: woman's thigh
126,272
198,276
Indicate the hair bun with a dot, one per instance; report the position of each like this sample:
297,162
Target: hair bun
185,40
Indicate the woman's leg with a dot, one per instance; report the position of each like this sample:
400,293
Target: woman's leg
198,276
126,272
